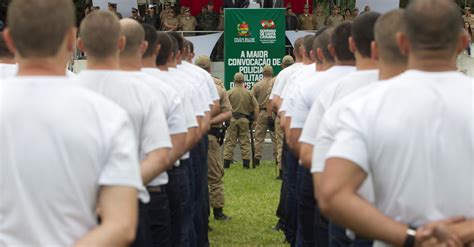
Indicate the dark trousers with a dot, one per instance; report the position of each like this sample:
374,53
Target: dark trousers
143,237
338,238
179,197
281,210
192,191
291,199
204,199
159,218
312,225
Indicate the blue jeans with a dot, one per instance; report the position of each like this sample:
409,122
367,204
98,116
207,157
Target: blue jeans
159,218
179,200
291,199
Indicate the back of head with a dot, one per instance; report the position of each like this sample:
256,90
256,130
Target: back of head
386,29
239,78
150,38
203,62
179,39
298,43
267,70
308,44
362,32
5,53
432,25
100,33
166,48
340,42
287,61
322,42
134,35
36,30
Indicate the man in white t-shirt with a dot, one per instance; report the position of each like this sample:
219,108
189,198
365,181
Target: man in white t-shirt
101,39
65,151
413,135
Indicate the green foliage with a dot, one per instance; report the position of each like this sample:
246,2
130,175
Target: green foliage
251,198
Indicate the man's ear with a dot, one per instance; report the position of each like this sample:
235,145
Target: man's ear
332,50
312,55
403,43
463,41
374,51
121,43
320,54
157,49
80,44
352,45
9,40
143,47
71,39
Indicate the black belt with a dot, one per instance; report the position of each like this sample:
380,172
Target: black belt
155,188
263,109
238,115
215,132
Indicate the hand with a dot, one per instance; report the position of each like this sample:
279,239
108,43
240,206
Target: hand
438,234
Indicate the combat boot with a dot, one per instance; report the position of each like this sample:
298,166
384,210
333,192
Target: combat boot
219,215
227,164
246,164
257,162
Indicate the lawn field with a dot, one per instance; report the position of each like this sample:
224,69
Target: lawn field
251,198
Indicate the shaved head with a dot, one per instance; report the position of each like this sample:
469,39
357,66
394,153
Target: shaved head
386,29
362,32
100,34
299,42
436,29
308,44
4,52
134,34
322,42
340,41
39,27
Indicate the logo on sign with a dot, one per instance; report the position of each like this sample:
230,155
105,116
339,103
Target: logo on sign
243,33
268,32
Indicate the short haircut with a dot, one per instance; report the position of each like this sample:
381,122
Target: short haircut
134,34
166,48
179,40
151,38
386,29
36,30
322,42
308,44
191,46
362,32
100,32
340,41
298,43
436,29
4,51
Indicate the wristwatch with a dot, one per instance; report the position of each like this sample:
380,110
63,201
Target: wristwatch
411,234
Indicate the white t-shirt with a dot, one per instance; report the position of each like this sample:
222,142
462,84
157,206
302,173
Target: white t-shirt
306,91
329,96
197,80
182,79
9,70
414,134
305,71
59,143
282,79
206,77
144,109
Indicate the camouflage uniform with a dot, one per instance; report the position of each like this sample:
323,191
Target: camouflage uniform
243,103
261,91
208,21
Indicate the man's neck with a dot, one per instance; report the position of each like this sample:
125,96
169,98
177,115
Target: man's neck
238,85
131,63
345,62
389,70
324,66
432,62
148,62
363,63
7,61
111,63
41,67
163,67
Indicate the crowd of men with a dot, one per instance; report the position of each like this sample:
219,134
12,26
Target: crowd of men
373,132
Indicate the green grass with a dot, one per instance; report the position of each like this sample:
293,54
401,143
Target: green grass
251,198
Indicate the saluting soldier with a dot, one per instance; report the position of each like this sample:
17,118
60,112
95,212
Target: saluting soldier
306,19
335,18
261,91
243,104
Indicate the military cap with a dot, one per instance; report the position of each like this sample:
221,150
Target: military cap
287,60
267,69
239,77
134,9
306,6
112,4
203,61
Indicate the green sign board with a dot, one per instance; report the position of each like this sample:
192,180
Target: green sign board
253,39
